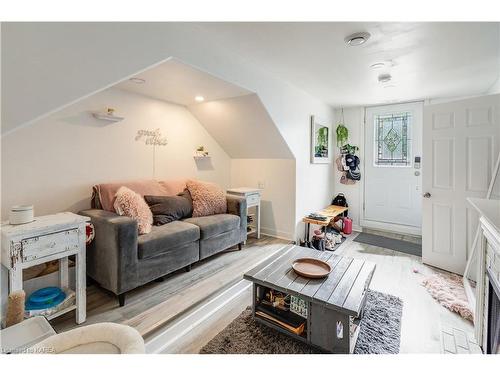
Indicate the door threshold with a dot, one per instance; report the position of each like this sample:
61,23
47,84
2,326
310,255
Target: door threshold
391,228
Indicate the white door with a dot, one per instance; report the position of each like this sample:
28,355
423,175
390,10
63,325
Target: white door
392,181
460,147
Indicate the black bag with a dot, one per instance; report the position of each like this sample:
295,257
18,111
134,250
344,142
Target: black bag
340,200
318,244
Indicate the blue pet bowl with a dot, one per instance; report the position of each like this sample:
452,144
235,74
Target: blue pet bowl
45,298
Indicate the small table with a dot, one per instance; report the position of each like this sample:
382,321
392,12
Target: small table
252,196
334,304
48,238
331,213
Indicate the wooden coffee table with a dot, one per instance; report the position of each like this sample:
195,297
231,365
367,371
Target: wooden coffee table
334,304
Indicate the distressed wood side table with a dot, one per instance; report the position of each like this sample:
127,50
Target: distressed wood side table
48,238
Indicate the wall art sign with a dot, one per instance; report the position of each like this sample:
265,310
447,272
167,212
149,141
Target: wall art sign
151,137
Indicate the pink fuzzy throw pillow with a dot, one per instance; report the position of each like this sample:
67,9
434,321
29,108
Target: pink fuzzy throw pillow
208,198
129,203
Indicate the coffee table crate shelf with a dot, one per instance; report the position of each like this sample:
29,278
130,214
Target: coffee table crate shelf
334,304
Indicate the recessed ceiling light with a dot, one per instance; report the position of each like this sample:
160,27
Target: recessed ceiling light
357,39
378,65
383,78
199,98
137,80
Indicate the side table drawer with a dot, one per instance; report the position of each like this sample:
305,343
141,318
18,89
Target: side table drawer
253,199
42,246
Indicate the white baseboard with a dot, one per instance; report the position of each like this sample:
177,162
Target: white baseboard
277,234
357,228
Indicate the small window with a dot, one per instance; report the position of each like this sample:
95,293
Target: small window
393,139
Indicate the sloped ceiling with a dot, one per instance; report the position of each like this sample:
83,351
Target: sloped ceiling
235,117
46,66
242,127
177,82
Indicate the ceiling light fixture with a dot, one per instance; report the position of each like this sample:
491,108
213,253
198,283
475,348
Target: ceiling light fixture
357,39
383,78
378,65
137,80
199,98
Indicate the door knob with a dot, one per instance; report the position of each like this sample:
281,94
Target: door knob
427,195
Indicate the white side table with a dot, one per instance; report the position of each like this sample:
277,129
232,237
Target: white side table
48,238
252,196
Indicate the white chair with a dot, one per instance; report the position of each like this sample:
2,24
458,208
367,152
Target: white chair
100,338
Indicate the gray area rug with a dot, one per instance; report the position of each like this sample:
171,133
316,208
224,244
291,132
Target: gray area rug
380,332
390,243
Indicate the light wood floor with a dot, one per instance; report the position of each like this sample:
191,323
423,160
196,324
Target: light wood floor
155,304
422,321
175,302
423,318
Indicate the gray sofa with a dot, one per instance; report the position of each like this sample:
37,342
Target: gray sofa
119,259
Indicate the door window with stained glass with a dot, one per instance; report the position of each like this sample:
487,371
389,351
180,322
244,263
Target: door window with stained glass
393,139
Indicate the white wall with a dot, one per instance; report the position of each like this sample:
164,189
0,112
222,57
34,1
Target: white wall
277,178
52,64
495,89
354,121
54,163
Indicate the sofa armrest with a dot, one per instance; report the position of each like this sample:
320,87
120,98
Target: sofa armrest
238,206
112,255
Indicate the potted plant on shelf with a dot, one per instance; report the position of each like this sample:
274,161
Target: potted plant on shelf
201,152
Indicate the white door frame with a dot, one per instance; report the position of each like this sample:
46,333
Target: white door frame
370,224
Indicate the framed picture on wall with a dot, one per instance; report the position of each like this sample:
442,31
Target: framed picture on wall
321,137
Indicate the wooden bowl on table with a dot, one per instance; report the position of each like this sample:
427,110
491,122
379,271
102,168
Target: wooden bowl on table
311,268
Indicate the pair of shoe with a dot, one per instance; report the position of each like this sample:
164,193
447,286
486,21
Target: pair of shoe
331,240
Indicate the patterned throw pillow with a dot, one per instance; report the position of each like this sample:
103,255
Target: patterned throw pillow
208,198
129,203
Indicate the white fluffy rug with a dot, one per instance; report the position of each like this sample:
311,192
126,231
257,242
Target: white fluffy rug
449,291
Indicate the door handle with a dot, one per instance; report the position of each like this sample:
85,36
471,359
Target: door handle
427,195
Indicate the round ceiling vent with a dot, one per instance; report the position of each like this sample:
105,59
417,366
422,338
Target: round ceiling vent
377,65
383,78
357,39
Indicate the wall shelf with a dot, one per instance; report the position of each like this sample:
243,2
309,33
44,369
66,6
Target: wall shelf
196,157
106,117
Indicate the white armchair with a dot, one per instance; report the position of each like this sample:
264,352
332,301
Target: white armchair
100,338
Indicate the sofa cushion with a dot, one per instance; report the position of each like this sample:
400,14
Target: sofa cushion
129,203
208,198
215,224
169,208
165,238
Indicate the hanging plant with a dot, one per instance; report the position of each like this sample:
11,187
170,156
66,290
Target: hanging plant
342,131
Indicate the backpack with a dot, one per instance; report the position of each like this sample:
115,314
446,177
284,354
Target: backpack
340,200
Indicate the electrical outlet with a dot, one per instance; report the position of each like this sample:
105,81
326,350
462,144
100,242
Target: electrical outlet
261,184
